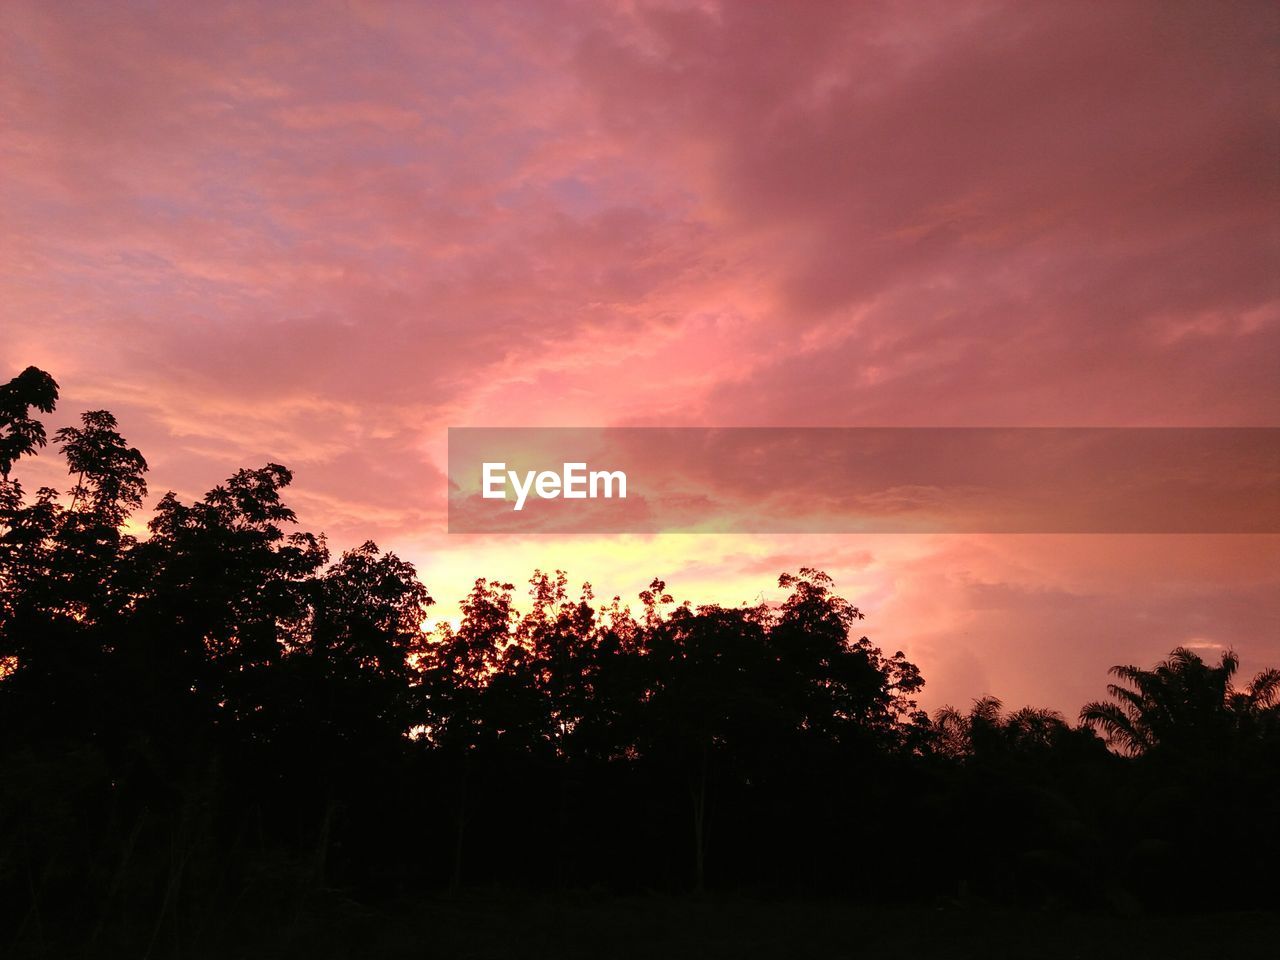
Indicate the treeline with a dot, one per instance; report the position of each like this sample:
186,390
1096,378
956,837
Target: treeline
206,728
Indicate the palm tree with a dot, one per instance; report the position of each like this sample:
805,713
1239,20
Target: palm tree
1182,703
985,730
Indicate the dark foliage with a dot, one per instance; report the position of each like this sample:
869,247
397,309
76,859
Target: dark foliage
215,728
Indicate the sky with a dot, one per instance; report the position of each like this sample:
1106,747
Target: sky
322,234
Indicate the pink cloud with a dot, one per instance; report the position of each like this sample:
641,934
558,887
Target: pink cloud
323,235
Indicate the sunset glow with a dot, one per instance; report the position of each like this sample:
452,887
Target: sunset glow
323,237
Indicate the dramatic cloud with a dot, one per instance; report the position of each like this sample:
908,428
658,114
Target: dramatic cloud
322,234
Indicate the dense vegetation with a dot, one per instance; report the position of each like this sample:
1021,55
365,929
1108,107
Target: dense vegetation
214,727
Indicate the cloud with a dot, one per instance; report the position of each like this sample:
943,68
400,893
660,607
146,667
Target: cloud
322,236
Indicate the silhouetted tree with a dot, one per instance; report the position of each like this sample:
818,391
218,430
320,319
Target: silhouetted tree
844,685
986,731
710,702
20,433
367,615
458,668
1181,704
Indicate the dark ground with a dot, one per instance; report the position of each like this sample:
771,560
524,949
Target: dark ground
499,925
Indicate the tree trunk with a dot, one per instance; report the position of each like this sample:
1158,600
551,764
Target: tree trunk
562,826
455,882
320,858
698,793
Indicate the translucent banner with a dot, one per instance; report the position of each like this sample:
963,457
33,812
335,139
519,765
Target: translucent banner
864,479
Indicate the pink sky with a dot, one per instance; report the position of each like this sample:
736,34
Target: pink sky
322,234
